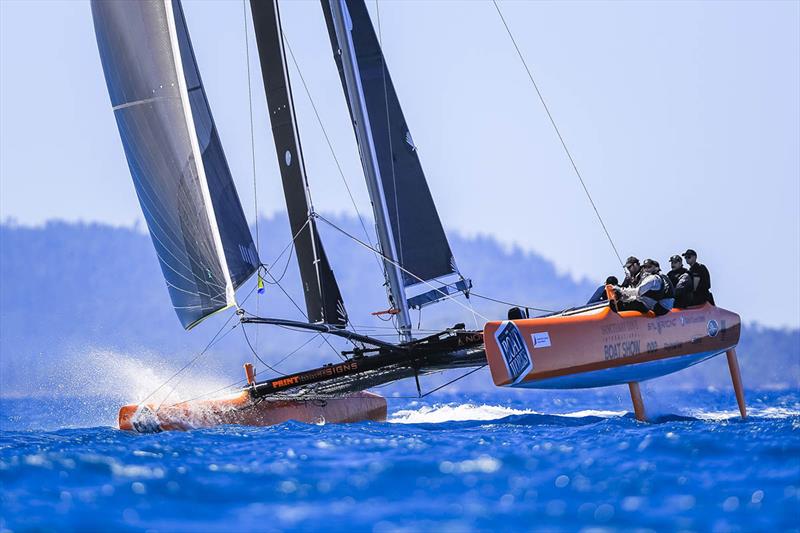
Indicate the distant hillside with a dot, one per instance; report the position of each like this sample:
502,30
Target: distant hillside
69,291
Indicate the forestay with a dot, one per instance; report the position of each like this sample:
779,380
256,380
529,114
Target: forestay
175,156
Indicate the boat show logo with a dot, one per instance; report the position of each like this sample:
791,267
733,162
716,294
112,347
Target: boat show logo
713,328
514,350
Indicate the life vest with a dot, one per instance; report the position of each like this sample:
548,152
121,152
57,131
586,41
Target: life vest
665,291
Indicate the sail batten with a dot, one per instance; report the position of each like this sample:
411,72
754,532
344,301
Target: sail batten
179,171
323,298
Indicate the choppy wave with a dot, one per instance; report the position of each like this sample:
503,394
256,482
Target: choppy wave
475,466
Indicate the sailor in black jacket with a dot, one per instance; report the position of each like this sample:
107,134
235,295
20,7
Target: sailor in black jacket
682,281
701,278
633,272
653,293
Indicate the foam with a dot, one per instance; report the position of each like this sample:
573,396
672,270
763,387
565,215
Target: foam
454,413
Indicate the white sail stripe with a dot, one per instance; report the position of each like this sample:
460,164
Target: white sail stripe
198,158
144,101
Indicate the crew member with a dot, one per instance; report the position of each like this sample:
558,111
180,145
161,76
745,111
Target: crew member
600,294
701,279
653,293
633,272
682,282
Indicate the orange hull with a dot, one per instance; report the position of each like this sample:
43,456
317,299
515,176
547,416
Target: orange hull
599,347
242,410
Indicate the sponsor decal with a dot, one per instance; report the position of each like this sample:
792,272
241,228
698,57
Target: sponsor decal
515,352
692,319
619,350
713,328
541,340
620,327
658,325
311,375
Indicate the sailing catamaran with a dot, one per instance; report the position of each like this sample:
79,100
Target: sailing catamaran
207,252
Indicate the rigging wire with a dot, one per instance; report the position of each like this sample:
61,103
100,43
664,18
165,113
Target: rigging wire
328,141
462,376
285,269
252,135
398,265
287,356
192,362
252,128
288,247
558,132
206,394
440,387
255,354
471,293
339,355
215,339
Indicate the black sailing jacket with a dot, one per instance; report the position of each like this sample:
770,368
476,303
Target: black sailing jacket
702,284
684,287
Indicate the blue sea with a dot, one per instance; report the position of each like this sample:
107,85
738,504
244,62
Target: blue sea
566,461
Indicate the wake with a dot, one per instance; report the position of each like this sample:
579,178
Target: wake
438,414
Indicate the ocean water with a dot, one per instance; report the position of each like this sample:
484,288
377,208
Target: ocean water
535,461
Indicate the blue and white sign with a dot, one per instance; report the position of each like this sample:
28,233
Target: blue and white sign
713,328
541,340
515,351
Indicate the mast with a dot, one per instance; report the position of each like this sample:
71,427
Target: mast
323,298
369,160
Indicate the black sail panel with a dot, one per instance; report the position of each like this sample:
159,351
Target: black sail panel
175,159
237,241
323,298
418,234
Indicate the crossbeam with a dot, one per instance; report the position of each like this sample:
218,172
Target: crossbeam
323,328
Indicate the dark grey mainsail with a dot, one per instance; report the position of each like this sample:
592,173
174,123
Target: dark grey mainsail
419,238
323,298
175,156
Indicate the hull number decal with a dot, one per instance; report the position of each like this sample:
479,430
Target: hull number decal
515,352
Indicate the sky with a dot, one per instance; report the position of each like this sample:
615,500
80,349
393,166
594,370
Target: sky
683,118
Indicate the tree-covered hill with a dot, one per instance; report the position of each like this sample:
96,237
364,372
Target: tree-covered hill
69,291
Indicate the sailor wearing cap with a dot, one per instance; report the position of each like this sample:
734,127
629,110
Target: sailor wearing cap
653,293
700,278
633,272
682,281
